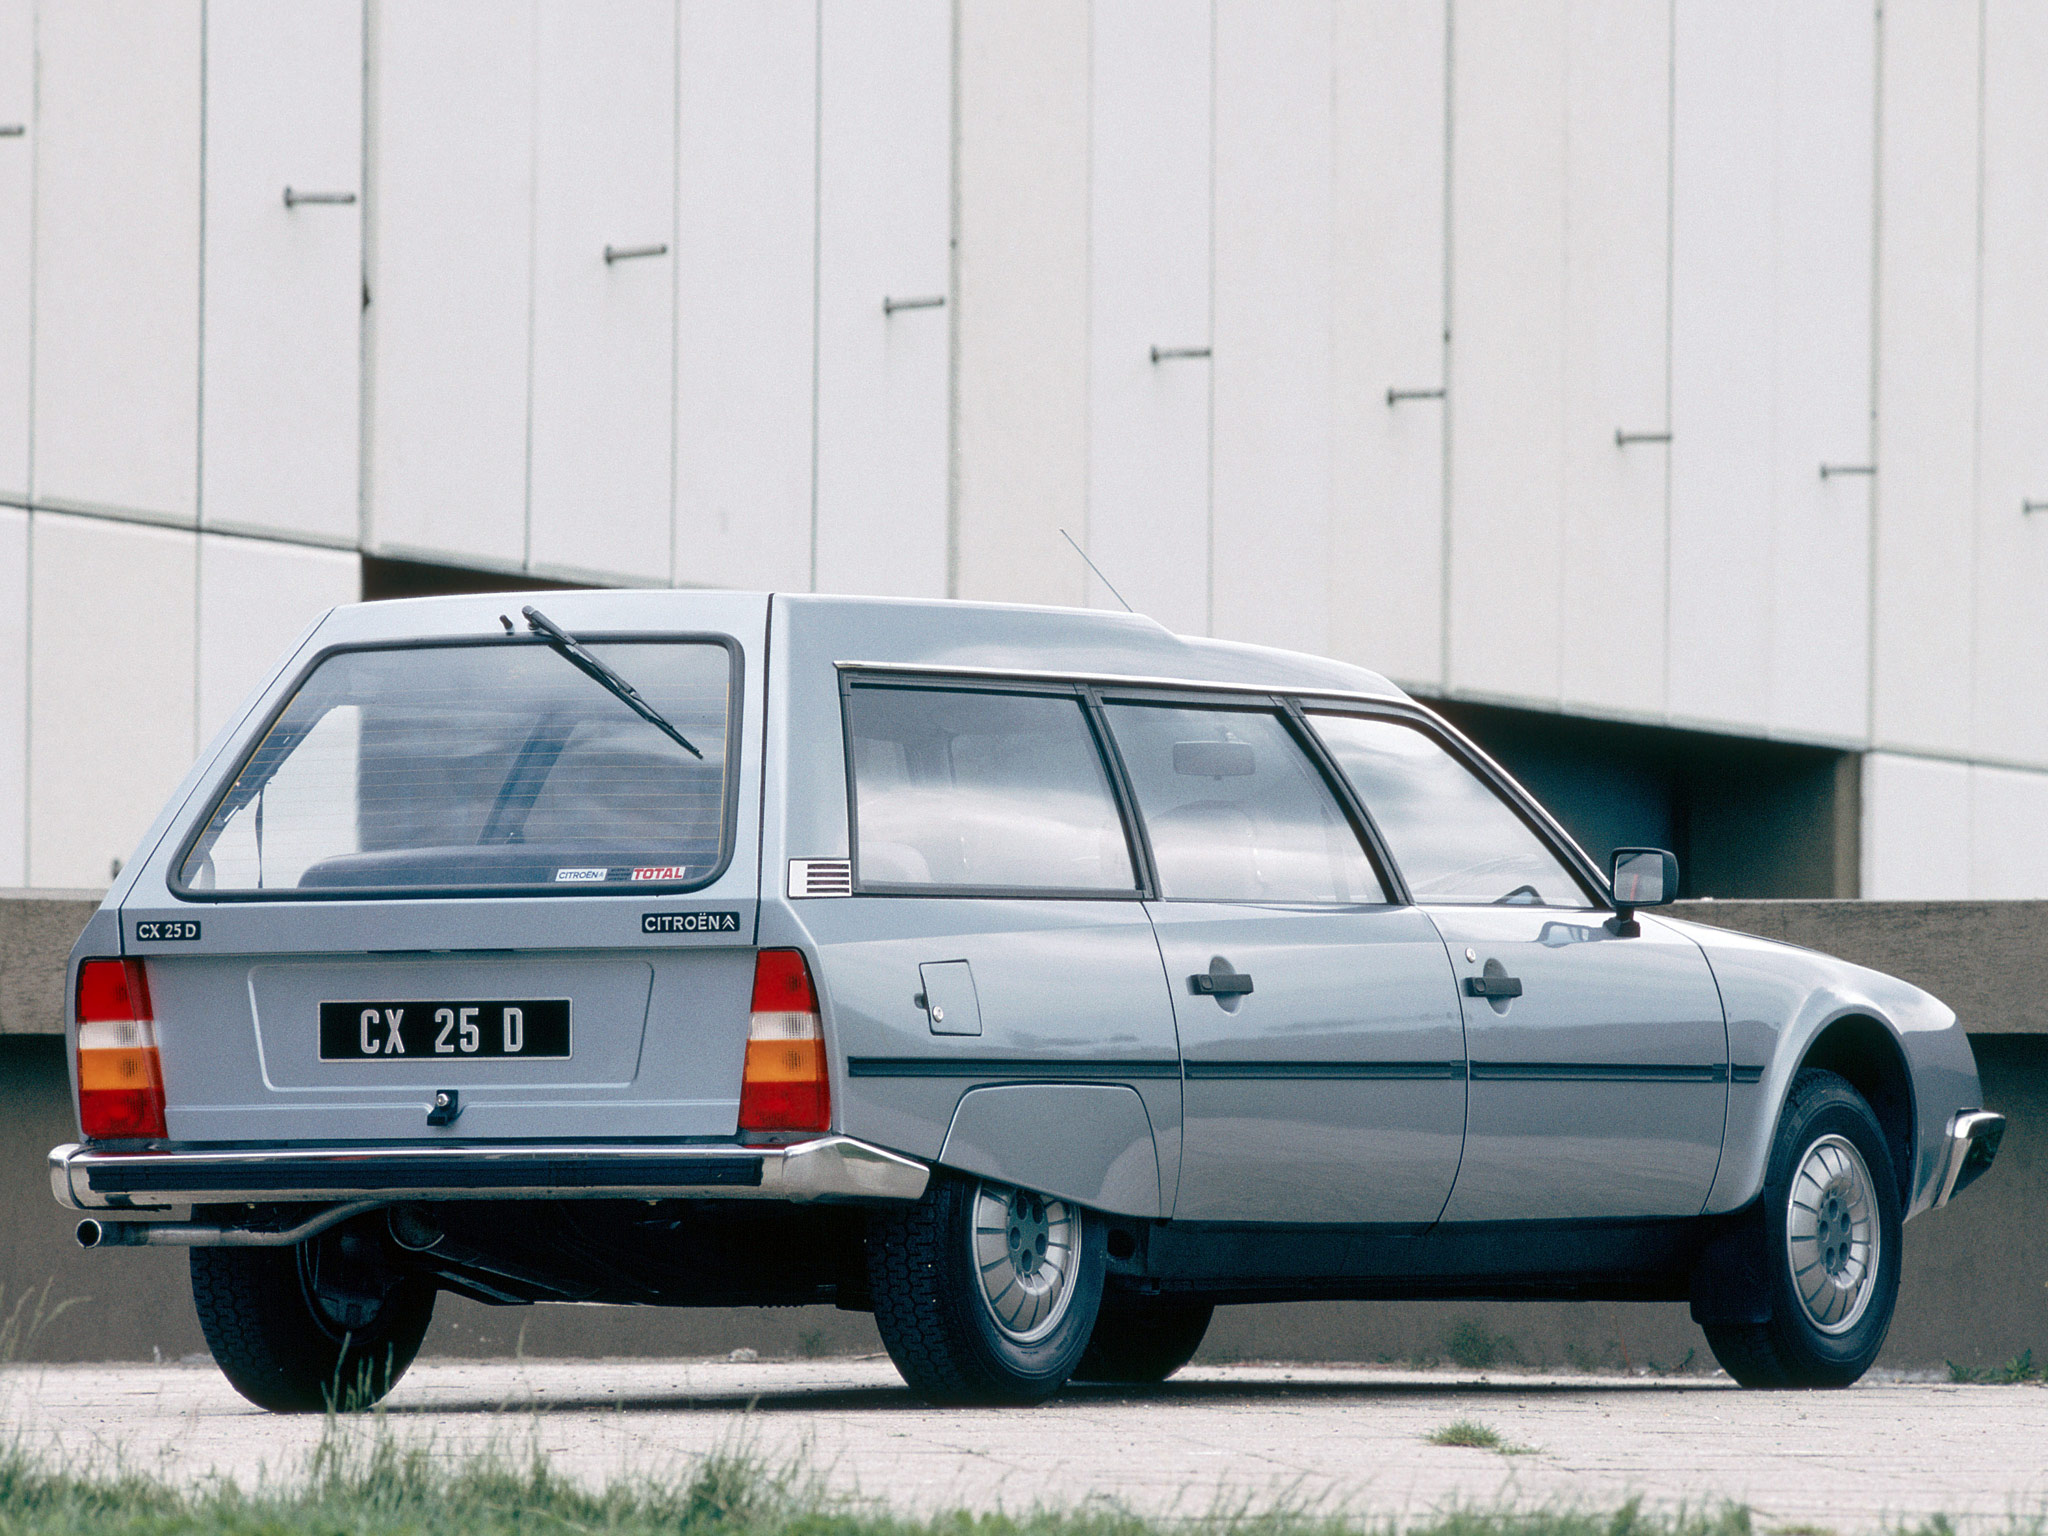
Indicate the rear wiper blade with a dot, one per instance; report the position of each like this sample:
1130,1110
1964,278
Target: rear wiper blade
560,640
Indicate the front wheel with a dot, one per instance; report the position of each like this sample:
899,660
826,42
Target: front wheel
985,1293
1825,1246
310,1328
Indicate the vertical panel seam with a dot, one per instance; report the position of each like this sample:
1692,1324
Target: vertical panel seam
199,387
817,262
1209,448
675,280
1670,314
954,187
1445,542
365,324
1971,741
1874,507
533,31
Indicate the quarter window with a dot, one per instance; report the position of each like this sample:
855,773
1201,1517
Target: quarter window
1455,840
1235,810
960,789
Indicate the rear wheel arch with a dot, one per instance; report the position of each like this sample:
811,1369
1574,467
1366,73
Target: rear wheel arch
1864,1052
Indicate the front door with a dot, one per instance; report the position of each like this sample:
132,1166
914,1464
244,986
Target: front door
1322,1052
1599,1064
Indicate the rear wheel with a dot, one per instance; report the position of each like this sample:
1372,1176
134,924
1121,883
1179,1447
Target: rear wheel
985,1293
310,1328
1826,1246
1142,1340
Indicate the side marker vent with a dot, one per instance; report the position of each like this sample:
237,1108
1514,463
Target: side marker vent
820,877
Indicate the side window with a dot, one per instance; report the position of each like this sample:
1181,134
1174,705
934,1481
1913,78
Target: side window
1236,811
1455,840
954,788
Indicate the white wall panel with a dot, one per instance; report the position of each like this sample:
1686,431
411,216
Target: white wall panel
255,598
603,474
1820,629
1916,829
1723,346
884,231
1507,351
1926,377
1386,332
746,269
1271,446
1149,267
117,256
111,689
13,697
449,243
280,440
2008,834
2011,620
1021,334
17,200
1616,315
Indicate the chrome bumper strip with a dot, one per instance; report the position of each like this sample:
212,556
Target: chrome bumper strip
829,1168
1968,1147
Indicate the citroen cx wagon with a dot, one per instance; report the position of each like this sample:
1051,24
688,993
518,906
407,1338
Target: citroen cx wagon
1037,980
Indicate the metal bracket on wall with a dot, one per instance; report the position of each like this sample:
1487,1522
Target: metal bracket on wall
12,130
293,197
614,253
1396,396
934,301
1622,439
1829,471
2029,508
1175,354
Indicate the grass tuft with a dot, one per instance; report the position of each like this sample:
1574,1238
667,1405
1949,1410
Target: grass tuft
2019,1371
1465,1432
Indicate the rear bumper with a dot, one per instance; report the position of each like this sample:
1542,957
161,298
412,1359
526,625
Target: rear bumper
829,1168
1968,1147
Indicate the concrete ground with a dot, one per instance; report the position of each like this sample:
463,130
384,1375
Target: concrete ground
1350,1438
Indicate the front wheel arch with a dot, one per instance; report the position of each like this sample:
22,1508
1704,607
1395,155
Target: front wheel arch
1864,1053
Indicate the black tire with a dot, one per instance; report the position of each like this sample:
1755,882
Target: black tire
1139,1341
1792,1349
932,1315
285,1348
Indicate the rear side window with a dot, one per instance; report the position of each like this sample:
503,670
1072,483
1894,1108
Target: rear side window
956,789
1455,840
1235,811
479,767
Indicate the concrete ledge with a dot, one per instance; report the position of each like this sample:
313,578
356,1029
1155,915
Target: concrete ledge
37,930
1988,960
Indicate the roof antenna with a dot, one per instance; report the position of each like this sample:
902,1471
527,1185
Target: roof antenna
1097,570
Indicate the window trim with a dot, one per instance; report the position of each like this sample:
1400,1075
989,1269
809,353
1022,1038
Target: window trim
938,682
174,877
1465,751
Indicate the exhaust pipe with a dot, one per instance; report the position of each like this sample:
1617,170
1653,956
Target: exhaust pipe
93,1233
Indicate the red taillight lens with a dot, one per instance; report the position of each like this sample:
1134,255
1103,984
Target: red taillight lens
785,1087
120,1079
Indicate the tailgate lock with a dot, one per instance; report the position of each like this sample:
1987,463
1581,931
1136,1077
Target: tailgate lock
446,1107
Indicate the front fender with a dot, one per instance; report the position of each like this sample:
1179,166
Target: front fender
1779,998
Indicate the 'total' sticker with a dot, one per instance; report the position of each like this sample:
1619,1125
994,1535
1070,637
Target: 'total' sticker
661,872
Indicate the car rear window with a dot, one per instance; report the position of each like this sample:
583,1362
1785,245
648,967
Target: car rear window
480,767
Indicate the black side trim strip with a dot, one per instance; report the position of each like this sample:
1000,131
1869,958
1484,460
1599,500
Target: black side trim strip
439,1173
964,1066
1367,1071
1593,1072
1748,1074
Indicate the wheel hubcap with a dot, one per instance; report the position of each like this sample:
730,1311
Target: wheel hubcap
1024,1247
1831,1234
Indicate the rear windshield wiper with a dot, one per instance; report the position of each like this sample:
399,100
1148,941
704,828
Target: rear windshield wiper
560,640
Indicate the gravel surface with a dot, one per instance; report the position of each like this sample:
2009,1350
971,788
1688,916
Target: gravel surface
1347,1438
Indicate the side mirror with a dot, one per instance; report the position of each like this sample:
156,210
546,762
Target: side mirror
1643,877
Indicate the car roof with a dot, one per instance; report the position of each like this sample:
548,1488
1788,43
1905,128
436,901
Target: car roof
934,633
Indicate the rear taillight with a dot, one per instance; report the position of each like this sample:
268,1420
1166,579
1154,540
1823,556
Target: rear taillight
785,1087
120,1082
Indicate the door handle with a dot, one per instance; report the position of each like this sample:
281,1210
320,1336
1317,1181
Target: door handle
1493,986
1221,983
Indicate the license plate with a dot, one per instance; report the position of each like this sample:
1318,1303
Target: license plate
416,1031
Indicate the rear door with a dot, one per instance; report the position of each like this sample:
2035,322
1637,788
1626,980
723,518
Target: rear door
1321,1043
444,858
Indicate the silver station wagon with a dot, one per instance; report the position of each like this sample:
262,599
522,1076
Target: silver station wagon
1035,979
